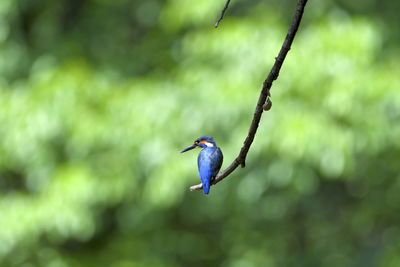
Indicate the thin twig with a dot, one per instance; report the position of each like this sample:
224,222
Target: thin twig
273,75
222,13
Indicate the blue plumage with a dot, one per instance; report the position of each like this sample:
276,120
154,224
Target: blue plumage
209,160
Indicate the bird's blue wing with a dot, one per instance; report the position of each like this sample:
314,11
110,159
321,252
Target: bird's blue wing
209,162
216,162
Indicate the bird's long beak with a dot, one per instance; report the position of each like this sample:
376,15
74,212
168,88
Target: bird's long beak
189,148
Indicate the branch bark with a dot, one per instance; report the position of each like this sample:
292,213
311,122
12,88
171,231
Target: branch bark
222,13
265,93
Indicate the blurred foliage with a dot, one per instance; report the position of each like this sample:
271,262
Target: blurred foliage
97,98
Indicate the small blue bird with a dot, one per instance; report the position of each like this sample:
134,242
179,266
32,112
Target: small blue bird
209,160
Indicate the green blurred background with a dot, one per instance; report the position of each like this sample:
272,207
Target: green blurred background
98,97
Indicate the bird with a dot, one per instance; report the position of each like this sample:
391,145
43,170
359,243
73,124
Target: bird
209,160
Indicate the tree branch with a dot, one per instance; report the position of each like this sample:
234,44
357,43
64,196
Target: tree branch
264,95
222,13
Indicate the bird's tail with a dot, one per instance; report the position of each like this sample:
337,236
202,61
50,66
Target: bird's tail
206,187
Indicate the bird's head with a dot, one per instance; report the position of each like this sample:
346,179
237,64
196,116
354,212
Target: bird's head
201,142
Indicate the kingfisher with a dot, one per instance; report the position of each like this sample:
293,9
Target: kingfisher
209,160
